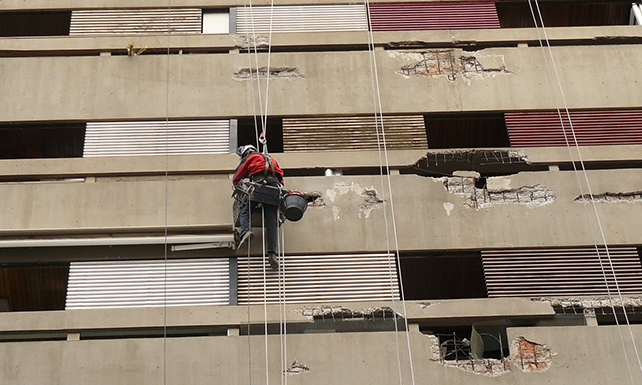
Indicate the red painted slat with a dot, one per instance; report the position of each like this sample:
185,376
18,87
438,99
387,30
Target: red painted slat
591,128
432,16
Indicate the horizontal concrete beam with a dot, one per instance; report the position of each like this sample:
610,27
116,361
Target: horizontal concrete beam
79,45
215,166
79,320
434,213
221,166
327,83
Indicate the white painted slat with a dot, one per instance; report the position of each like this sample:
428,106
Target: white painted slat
305,18
349,133
157,138
561,272
113,284
135,21
320,278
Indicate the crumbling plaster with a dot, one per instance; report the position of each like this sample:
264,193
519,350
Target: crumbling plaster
351,218
110,87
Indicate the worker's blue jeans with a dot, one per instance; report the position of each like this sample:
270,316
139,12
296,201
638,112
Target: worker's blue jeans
271,223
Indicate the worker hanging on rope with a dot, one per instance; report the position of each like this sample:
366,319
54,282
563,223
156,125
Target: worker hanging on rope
266,187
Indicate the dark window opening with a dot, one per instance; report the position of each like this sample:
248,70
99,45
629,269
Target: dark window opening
170,332
470,342
599,165
466,131
481,183
249,128
605,316
35,287
563,14
329,325
110,334
41,140
345,172
447,275
49,23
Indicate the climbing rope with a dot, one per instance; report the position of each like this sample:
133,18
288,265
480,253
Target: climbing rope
556,76
265,320
261,139
166,219
384,168
282,308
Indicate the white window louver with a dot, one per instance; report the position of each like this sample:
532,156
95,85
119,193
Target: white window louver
349,133
561,272
320,278
305,18
135,21
157,138
118,284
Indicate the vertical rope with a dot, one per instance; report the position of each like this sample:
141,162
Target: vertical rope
282,307
169,24
265,319
588,185
249,325
384,167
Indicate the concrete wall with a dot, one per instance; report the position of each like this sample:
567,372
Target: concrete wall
65,79
203,86
574,355
430,213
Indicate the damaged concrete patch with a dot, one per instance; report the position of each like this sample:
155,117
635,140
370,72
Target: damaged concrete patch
484,197
489,367
262,73
589,305
447,161
612,197
526,355
426,305
252,42
339,312
297,368
314,198
447,63
370,202
530,356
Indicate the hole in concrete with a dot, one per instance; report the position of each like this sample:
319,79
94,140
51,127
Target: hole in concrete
481,182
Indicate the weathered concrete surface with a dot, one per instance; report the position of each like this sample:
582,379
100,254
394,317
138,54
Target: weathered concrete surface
396,39
233,316
348,217
222,165
584,356
38,169
106,88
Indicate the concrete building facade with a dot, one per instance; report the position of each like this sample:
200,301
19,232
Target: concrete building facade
473,184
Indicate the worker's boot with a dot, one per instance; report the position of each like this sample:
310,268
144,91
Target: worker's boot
273,261
244,238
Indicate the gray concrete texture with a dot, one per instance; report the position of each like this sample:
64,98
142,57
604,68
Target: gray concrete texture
462,310
335,358
443,38
203,86
579,355
349,216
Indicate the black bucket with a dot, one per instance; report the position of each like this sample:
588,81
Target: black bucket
294,206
